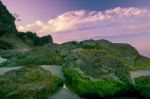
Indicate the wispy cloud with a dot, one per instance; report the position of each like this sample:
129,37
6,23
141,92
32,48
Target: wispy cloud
82,24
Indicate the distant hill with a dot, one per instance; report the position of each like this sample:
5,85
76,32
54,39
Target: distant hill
9,36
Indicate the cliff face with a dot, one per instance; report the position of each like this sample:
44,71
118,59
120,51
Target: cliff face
7,24
10,36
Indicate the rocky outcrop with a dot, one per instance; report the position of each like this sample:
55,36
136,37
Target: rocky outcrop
95,68
31,39
92,68
16,39
4,45
7,21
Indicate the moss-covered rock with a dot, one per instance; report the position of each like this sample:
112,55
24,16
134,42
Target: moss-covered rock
28,83
123,52
37,56
142,85
96,73
4,45
89,87
10,54
95,63
56,54
141,62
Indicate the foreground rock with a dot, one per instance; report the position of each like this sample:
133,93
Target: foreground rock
92,68
93,73
142,85
28,83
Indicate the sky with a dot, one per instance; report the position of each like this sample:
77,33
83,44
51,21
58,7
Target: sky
121,21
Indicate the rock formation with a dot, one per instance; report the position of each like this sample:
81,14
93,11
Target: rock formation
17,39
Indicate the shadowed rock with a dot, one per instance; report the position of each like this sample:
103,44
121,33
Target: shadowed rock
17,39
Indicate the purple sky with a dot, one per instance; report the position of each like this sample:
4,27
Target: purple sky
126,21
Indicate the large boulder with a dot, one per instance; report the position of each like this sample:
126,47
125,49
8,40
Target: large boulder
124,52
28,83
91,72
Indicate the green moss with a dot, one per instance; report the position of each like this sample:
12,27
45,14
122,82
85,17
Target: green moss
99,73
28,83
101,50
84,86
142,85
41,56
37,56
123,52
142,63
96,63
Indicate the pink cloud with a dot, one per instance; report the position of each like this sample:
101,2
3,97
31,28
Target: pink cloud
81,24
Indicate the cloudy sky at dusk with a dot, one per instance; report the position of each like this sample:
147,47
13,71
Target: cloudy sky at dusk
125,21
